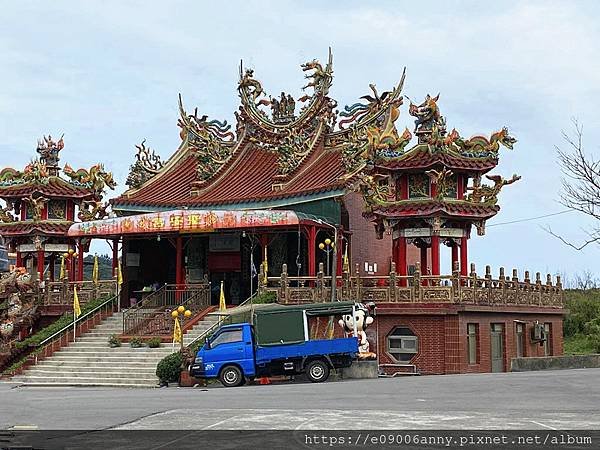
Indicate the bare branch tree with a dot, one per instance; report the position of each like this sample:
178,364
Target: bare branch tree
580,184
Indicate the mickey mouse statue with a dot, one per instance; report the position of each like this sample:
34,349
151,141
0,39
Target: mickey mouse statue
364,317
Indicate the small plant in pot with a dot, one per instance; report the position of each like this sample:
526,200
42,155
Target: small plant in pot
114,341
136,342
153,342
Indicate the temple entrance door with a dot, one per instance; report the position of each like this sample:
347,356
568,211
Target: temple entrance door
497,353
231,287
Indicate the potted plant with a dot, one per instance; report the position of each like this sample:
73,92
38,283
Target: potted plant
154,342
136,342
114,341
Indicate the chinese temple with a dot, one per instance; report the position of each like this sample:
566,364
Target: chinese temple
41,202
336,202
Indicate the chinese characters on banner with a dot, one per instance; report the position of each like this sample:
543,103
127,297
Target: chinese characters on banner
184,221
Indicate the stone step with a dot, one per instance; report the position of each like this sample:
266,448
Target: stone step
104,344
85,385
151,376
97,365
133,369
92,381
106,350
84,360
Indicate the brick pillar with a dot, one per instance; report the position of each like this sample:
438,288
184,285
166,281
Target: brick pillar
19,261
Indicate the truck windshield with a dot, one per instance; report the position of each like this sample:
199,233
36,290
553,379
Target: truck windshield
227,336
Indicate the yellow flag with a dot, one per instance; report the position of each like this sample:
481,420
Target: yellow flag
346,267
95,270
222,306
119,274
76,307
177,335
62,268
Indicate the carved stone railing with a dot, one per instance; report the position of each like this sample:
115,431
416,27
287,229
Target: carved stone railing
417,288
60,293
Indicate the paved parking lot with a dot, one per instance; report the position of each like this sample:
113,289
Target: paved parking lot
568,399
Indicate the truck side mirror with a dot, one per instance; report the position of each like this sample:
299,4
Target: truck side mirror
207,344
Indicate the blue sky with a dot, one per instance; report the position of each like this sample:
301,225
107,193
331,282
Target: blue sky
107,74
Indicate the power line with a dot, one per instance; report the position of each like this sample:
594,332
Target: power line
531,218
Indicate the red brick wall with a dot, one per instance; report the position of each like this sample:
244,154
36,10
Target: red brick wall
365,246
484,320
442,347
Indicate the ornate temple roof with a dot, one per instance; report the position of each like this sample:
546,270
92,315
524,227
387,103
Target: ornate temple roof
30,228
29,194
51,187
303,149
42,177
449,208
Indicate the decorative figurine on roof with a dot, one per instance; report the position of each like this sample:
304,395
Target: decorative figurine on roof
320,76
481,193
96,177
36,172
478,146
212,141
442,179
49,153
36,206
428,116
147,164
283,109
92,210
6,214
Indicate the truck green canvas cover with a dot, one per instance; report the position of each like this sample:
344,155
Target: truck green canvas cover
279,324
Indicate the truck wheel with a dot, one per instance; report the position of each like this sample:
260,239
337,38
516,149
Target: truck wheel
231,376
317,371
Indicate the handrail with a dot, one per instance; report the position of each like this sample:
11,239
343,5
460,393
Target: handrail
149,297
80,318
219,323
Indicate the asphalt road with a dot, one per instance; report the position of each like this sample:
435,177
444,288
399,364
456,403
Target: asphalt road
568,399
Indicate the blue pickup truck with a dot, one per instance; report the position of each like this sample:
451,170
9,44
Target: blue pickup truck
277,342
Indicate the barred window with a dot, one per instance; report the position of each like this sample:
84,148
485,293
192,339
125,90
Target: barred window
402,343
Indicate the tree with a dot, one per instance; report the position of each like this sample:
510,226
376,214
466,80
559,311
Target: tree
580,184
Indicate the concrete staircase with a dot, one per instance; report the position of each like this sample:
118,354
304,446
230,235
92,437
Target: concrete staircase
91,362
200,328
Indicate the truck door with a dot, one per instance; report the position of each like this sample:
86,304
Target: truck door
230,346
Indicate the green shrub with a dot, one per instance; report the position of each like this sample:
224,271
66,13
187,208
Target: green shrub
583,306
154,342
114,340
265,297
594,340
169,368
135,342
65,320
